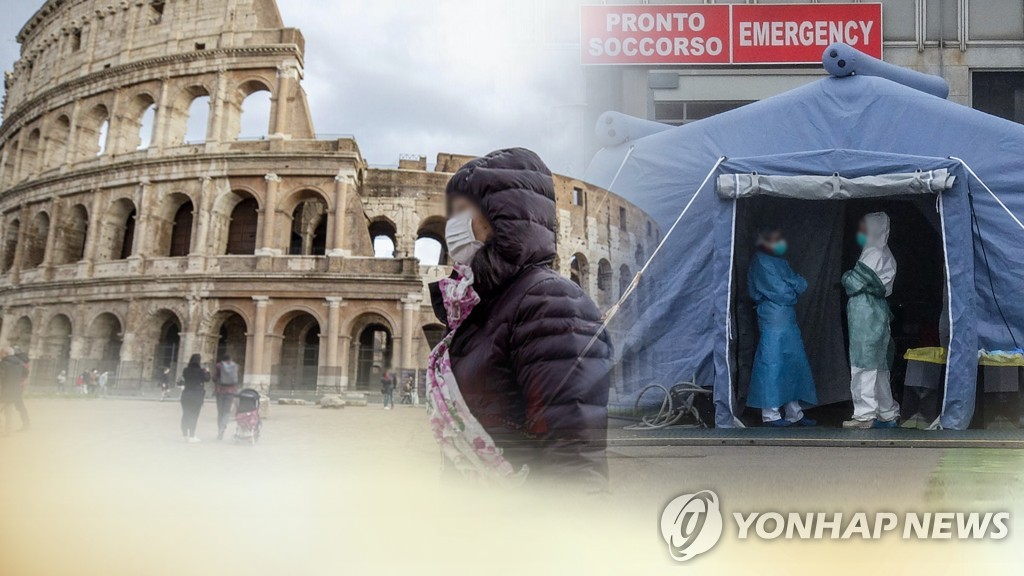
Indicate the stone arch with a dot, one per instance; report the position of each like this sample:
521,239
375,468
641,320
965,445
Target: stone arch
161,337
235,222
297,361
579,270
138,122
57,138
10,175
229,335
35,240
117,231
92,130
54,349
30,152
625,277
11,233
373,347
189,116
431,249
21,334
248,113
72,232
604,275
309,223
171,230
104,337
384,236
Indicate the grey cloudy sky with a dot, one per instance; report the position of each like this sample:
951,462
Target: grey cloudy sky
423,76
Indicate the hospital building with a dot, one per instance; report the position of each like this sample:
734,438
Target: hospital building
976,45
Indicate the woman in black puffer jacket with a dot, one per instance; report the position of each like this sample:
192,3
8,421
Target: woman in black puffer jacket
528,359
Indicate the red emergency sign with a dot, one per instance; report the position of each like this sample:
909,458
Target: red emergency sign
726,34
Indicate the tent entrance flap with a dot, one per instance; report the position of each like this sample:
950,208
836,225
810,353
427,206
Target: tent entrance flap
822,240
834,187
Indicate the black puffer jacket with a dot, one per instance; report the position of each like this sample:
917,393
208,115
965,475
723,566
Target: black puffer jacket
515,355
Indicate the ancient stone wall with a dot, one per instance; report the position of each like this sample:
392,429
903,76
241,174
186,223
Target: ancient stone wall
126,246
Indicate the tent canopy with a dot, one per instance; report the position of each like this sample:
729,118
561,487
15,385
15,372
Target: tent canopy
835,139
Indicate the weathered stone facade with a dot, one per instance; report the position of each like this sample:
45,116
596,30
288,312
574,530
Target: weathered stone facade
126,248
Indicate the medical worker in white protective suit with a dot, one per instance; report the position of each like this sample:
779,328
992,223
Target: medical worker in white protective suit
868,314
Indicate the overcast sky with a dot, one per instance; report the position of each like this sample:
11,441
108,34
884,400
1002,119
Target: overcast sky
423,76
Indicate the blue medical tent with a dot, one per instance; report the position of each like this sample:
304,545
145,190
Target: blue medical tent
813,160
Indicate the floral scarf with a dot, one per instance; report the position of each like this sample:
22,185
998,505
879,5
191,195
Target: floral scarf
464,441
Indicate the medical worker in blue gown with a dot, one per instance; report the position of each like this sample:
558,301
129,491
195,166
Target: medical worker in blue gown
781,380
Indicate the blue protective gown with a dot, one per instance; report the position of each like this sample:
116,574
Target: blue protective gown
781,371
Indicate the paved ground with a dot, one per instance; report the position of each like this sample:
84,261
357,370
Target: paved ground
108,487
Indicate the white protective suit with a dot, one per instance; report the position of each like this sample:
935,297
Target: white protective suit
872,395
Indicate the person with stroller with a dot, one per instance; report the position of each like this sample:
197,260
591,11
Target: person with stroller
194,377
225,382
388,382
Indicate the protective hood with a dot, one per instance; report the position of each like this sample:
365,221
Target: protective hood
876,254
515,191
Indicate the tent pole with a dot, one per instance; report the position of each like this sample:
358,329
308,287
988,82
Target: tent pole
989,190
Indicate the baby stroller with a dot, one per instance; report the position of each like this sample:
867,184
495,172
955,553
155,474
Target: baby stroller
247,417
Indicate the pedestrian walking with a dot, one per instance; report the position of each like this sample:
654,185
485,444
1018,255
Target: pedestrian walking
165,382
195,378
101,380
13,375
520,382
225,381
62,379
80,385
388,382
407,391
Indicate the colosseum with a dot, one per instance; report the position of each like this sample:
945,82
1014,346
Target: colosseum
140,225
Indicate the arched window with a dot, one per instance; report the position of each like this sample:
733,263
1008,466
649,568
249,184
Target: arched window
11,243
93,127
30,154
146,128
57,145
242,229
430,248
254,113
625,277
578,270
300,354
70,247
383,234
604,275
36,239
117,232
181,231
198,124
309,228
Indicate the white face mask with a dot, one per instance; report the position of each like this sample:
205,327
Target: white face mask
458,234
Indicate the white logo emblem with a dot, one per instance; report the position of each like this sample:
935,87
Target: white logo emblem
691,524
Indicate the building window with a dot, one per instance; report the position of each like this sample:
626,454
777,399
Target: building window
157,8
622,217
76,40
578,197
604,275
683,112
1000,94
649,232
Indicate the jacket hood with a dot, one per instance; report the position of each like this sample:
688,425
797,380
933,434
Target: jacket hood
515,191
876,254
